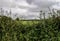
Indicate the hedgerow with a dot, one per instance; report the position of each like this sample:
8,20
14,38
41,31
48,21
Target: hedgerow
15,30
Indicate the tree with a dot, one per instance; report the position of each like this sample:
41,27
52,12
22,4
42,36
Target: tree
2,12
17,19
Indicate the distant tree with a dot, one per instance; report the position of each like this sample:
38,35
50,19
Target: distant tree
2,12
17,19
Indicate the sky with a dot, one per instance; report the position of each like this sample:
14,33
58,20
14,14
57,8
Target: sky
28,8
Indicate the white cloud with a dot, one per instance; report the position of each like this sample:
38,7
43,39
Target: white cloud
42,3
28,7
57,0
18,10
57,6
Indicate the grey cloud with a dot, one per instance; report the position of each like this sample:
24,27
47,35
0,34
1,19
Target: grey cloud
7,3
42,3
32,7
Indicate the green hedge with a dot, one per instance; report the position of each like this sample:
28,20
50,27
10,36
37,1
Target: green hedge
15,30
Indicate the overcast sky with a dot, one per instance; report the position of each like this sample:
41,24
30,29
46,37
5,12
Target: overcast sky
29,7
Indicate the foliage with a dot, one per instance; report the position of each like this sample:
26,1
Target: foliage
16,30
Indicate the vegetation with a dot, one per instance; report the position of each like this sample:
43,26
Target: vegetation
19,30
16,30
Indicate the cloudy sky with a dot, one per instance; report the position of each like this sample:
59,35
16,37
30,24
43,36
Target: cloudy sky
28,8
